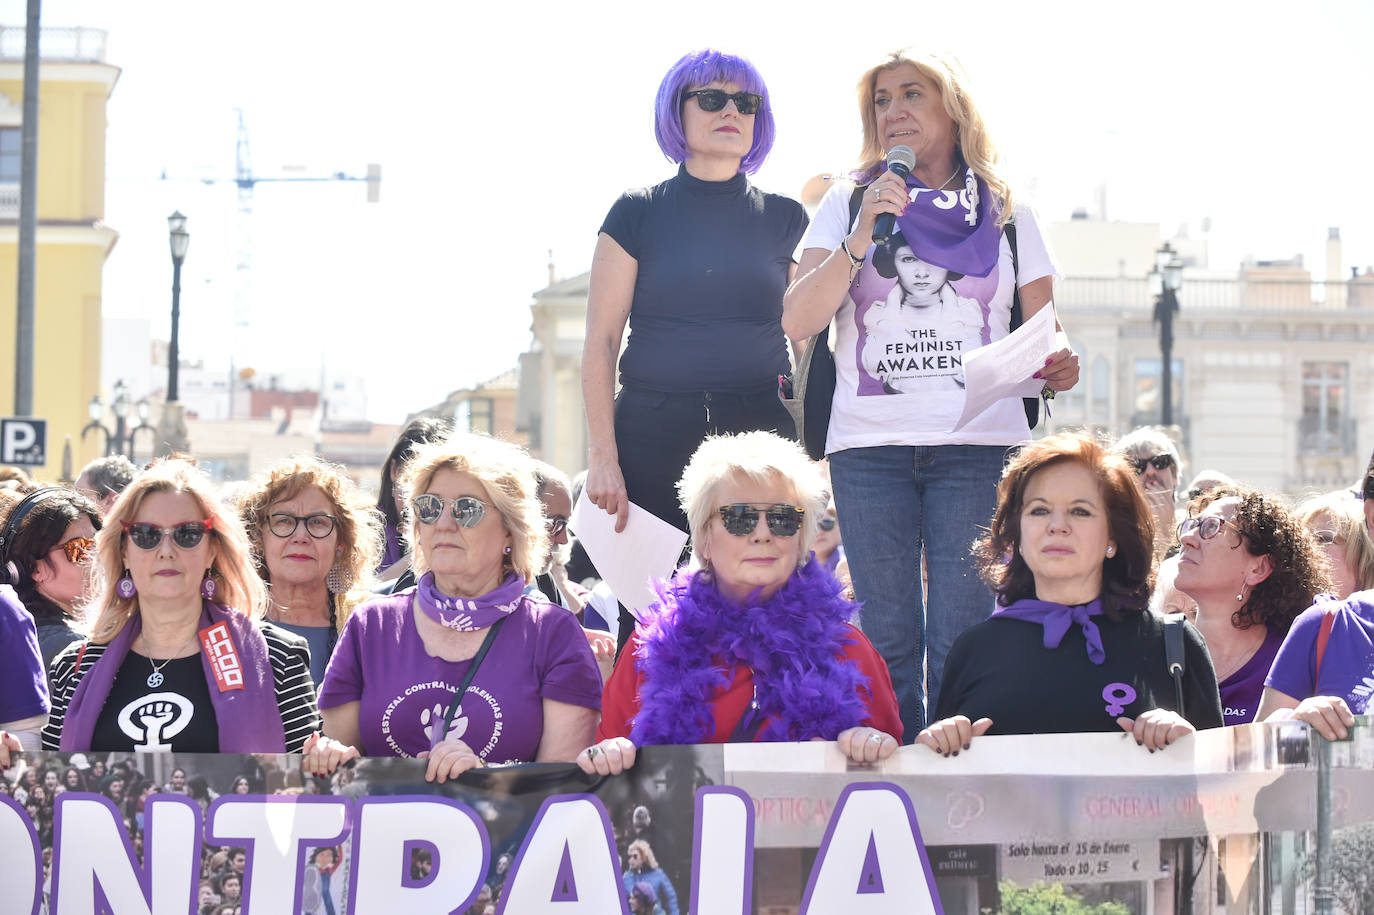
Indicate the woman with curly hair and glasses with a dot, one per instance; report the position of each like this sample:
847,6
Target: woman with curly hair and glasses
316,538
1251,567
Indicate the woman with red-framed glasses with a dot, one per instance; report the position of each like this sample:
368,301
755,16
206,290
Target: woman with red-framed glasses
45,555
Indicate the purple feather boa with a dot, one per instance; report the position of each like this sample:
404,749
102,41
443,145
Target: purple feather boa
793,643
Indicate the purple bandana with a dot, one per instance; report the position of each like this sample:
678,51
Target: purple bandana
936,225
249,719
1057,618
463,614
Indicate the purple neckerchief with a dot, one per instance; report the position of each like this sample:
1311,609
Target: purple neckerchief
1056,618
462,614
249,719
936,227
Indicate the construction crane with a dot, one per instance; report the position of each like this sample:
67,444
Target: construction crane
245,180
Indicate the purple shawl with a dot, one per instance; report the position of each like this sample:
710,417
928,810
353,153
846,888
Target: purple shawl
936,227
1056,619
249,719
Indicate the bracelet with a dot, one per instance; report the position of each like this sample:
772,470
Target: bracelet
854,262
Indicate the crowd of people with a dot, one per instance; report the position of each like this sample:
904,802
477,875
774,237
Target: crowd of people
1007,585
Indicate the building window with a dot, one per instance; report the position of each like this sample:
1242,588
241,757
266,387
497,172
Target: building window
1147,406
1326,427
476,414
10,141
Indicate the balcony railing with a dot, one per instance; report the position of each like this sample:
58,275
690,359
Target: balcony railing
9,201
56,44
1246,294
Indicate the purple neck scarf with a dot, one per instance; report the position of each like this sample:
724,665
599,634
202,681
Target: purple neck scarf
249,719
463,614
956,230
1057,618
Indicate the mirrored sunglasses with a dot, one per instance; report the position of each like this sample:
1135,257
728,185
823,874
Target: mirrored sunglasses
1326,538
741,518
1158,462
1207,528
715,99
187,536
78,549
557,526
827,524
318,525
467,511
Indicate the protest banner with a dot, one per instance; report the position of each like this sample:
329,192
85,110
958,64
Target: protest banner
767,828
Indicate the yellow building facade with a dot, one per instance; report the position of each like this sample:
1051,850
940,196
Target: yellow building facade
72,241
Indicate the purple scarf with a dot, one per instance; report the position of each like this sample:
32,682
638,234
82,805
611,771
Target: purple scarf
249,719
793,643
469,614
1057,618
936,227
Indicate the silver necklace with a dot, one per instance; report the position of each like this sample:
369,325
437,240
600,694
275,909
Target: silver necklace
155,679
949,179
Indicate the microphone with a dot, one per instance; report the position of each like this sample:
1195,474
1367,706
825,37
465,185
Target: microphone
900,160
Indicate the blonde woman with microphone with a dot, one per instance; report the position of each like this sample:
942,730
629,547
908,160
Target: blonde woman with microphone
906,488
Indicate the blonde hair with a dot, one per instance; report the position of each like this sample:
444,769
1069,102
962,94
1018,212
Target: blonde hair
507,473
1347,517
239,587
760,457
971,134
358,523
645,852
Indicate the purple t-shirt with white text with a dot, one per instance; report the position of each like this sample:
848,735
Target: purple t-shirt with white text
381,663
1240,692
1347,668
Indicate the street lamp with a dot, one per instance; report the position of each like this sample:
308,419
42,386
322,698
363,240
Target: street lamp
1165,281
172,433
121,441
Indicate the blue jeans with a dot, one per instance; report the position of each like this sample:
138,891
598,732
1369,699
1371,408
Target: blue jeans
896,502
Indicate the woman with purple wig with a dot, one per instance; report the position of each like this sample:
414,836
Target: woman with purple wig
697,265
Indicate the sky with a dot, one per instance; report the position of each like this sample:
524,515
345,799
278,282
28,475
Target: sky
505,131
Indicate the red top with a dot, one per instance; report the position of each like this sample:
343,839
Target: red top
620,701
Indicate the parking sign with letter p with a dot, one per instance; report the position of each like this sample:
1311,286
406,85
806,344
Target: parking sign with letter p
24,441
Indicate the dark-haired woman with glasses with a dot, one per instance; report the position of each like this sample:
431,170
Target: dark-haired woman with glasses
177,657
464,669
757,645
45,546
697,265
1250,565
316,538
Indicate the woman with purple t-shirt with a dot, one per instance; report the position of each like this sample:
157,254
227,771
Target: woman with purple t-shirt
1251,566
463,668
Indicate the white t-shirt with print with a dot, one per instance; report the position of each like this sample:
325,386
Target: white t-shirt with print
899,378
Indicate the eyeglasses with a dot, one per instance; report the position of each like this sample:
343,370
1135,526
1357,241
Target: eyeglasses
741,518
1158,462
715,99
467,511
78,549
1207,528
1326,538
187,536
827,524
557,526
318,525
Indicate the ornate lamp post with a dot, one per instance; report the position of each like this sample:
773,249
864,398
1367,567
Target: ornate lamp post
121,441
1165,281
172,433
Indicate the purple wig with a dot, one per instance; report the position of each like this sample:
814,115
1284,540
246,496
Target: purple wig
694,71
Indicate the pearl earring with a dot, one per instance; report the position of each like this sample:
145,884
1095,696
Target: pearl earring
1111,550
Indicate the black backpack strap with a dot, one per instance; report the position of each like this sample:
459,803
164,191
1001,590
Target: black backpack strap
1031,404
1173,654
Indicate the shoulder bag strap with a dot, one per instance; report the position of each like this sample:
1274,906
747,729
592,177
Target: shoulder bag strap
457,699
1323,636
1173,654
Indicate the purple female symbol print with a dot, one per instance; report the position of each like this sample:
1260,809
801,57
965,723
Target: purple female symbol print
1118,696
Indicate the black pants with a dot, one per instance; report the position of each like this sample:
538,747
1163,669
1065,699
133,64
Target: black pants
657,433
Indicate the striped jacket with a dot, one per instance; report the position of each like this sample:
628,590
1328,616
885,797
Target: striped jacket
286,652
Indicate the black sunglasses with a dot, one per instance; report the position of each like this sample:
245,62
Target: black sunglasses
318,526
715,99
467,510
741,518
187,536
1158,462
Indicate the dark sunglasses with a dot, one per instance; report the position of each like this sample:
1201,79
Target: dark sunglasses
318,526
715,99
467,511
1158,462
827,524
741,518
557,526
187,536
1207,528
77,549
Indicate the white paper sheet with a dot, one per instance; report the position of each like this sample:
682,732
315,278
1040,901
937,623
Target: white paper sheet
647,549
1004,368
